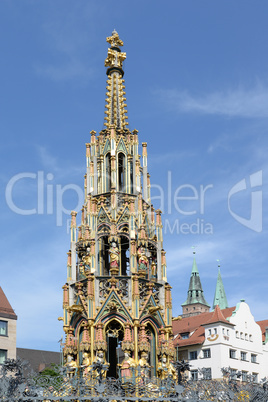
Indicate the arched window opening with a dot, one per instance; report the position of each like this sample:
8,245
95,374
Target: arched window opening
121,172
104,256
152,355
131,177
152,256
124,255
114,336
108,171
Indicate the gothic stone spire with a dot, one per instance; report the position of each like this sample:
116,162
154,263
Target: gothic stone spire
220,298
195,303
116,114
117,291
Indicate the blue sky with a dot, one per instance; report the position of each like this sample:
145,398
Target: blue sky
197,90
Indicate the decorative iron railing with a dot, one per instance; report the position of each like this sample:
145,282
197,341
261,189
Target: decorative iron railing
17,384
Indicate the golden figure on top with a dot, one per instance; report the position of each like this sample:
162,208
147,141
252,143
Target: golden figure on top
114,39
114,58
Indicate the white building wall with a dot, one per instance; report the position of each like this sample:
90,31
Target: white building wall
244,336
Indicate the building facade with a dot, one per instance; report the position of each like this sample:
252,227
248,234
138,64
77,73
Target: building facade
8,329
116,297
224,337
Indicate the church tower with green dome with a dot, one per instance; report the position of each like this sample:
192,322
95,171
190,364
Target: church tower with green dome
116,298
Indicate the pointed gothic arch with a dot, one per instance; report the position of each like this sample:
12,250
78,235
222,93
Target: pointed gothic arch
108,172
103,255
114,331
153,338
121,172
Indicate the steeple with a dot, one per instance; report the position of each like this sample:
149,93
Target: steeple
195,303
220,298
116,114
117,291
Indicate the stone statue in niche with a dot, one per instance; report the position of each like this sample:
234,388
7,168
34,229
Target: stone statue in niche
114,255
85,364
71,366
166,369
128,365
144,364
142,259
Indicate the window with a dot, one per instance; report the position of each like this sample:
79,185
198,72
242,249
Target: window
253,358
232,354
185,335
194,375
108,171
3,328
121,172
209,331
193,355
244,375
250,338
237,334
206,353
233,374
243,356
255,377
215,331
207,374
246,337
3,355
228,332
241,335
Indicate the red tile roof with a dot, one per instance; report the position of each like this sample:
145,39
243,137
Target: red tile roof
6,311
263,324
217,316
194,326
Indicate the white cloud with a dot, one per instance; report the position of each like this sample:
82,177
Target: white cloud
240,102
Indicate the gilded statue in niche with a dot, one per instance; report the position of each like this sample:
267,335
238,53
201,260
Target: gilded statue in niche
142,259
71,366
144,364
85,366
128,365
114,255
100,365
166,369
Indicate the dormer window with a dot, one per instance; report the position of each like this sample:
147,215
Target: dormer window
185,335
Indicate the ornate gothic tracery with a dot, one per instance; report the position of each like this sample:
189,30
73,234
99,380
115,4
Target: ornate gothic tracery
116,297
